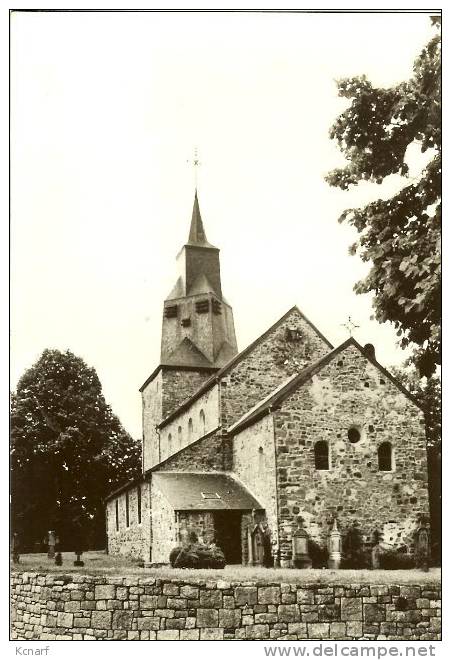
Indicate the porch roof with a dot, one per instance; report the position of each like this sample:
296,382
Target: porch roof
205,491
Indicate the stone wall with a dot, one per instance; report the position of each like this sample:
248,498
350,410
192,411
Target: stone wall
206,455
83,607
254,463
164,527
268,364
133,540
161,396
351,392
201,417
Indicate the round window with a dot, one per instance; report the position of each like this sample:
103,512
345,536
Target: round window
353,434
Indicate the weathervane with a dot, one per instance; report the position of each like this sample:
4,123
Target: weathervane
196,164
350,326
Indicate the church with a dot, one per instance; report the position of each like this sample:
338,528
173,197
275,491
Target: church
290,431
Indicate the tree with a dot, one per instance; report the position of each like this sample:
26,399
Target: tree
428,392
68,450
399,236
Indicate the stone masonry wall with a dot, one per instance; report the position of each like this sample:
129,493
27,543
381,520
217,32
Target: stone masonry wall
160,397
350,391
83,607
206,455
254,464
134,540
268,365
164,527
204,416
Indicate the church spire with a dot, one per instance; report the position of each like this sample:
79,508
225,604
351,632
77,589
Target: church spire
197,234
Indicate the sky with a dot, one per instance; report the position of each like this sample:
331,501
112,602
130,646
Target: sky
106,111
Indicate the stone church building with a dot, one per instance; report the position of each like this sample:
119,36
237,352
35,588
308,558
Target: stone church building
289,428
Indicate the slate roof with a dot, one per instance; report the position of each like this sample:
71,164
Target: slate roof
208,491
280,393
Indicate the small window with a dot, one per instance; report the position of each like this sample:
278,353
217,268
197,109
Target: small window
138,495
321,455
385,457
202,422
127,509
169,444
210,496
170,311
203,306
353,434
117,515
190,430
180,436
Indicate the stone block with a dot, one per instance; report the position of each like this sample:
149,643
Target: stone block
171,589
211,598
101,620
212,633
257,631
148,623
354,629
246,595
288,613
351,609
189,634
373,613
105,591
337,630
148,602
122,620
189,591
168,634
207,618
318,630
229,618
64,620
304,596
298,629
269,595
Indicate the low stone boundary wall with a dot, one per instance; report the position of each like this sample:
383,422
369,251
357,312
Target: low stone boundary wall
77,607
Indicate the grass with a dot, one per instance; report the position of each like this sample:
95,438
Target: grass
99,563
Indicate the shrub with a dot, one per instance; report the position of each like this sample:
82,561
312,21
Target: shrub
197,555
396,560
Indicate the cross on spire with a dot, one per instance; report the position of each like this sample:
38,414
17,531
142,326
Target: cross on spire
195,162
350,326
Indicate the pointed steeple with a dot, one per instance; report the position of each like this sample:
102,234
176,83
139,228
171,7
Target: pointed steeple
197,234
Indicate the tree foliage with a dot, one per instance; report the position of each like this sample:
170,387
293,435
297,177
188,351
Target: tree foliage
399,236
68,450
428,392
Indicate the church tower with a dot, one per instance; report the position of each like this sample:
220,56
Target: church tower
198,329
197,339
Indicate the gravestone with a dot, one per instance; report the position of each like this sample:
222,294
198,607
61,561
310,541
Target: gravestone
15,550
51,541
422,550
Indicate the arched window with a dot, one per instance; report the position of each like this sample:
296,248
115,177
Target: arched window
169,444
202,422
190,430
385,457
180,437
321,455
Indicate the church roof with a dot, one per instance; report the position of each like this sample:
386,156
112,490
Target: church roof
197,234
278,395
188,354
234,361
204,491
